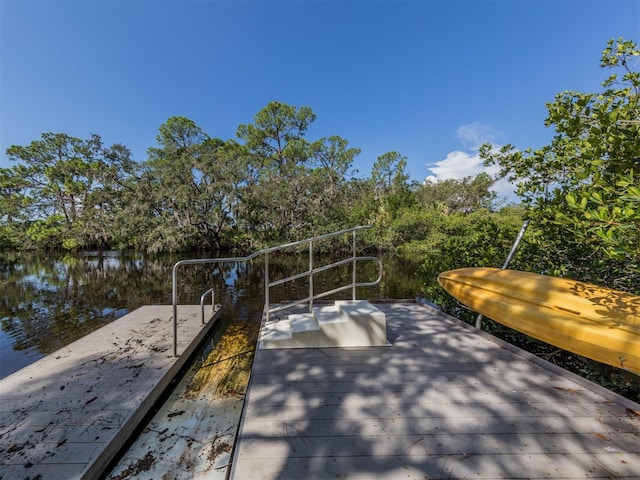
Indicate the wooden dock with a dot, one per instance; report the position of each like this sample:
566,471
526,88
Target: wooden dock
67,415
444,401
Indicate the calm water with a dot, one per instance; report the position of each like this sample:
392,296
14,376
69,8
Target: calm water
48,300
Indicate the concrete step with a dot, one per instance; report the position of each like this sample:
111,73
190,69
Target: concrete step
329,314
275,333
344,324
371,320
303,322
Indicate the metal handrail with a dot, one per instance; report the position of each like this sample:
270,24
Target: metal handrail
268,284
213,302
315,296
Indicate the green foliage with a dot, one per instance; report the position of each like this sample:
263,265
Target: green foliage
417,225
47,233
197,192
581,193
583,187
189,189
64,191
425,215
193,192
480,239
466,195
446,241
277,200
15,203
390,182
297,188
390,195
388,173
9,238
275,139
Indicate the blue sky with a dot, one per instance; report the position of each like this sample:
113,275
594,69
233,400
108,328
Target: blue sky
429,79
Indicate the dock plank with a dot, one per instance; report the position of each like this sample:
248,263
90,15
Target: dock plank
444,401
67,415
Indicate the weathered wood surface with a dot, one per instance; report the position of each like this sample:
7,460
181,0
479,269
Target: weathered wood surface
67,415
444,401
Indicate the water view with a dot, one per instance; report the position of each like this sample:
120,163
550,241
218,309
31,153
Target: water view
48,300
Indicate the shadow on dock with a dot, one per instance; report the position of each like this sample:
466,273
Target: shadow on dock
445,401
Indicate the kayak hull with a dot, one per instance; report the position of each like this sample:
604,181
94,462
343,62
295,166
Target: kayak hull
592,321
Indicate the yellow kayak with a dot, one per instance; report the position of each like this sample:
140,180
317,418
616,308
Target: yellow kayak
592,321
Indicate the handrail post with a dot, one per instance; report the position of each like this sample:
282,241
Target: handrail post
311,277
175,309
213,302
353,279
266,285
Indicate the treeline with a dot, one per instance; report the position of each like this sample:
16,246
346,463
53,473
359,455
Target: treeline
270,185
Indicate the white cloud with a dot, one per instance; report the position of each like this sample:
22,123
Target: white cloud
460,164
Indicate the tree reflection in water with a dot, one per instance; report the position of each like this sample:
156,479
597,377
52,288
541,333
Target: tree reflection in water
48,300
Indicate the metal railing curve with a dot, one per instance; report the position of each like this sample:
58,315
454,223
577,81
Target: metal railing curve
268,284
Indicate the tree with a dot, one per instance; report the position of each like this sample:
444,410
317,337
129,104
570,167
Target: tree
388,173
440,209
275,139
278,202
391,190
332,160
189,189
168,184
70,187
117,173
15,204
584,186
465,195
